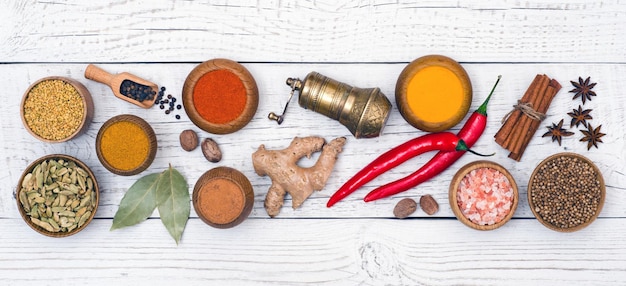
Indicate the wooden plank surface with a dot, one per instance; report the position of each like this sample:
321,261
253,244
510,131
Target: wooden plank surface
364,44
305,31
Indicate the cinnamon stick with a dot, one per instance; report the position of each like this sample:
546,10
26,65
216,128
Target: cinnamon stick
551,91
510,122
526,121
534,99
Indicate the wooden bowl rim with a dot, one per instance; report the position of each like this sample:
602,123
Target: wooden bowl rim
407,75
456,180
88,108
252,94
599,177
31,166
145,126
236,177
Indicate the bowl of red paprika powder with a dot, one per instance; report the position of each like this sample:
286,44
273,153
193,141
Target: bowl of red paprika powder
220,96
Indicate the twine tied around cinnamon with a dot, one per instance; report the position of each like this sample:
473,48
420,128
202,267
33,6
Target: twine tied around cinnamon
526,108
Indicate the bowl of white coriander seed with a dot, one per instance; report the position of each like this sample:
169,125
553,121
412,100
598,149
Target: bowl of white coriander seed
566,192
56,109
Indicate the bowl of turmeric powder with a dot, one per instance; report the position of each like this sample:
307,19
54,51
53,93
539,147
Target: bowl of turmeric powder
220,96
126,145
433,93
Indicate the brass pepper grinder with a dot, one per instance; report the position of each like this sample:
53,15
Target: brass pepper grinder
363,111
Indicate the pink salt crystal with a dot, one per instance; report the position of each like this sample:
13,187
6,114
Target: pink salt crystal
485,196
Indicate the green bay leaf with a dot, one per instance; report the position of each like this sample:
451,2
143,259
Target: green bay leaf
138,203
173,202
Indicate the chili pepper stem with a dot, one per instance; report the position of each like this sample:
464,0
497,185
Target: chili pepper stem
462,146
483,107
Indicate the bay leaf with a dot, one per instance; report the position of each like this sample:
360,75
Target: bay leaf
173,201
138,203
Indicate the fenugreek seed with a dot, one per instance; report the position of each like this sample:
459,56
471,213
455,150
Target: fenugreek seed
53,109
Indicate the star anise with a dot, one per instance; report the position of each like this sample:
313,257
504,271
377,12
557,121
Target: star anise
583,89
557,132
592,136
579,116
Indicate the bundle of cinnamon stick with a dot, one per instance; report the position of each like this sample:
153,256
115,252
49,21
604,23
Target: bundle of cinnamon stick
521,124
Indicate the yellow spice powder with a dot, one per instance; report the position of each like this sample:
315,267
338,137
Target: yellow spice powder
124,145
435,94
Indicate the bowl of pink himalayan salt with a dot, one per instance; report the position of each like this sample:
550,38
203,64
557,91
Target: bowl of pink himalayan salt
483,195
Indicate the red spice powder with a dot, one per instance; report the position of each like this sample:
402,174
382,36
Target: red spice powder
219,96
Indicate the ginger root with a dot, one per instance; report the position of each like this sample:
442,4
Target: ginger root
287,177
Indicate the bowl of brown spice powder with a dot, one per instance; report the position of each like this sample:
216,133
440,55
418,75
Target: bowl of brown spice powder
566,192
56,109
223,197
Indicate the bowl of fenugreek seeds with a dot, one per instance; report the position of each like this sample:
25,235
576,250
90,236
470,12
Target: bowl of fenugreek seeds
56,109
566,192
57,195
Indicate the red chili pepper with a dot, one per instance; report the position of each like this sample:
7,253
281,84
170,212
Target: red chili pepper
430,142
471,131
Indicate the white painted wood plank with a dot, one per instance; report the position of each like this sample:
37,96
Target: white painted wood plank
18,148
321,252
312,31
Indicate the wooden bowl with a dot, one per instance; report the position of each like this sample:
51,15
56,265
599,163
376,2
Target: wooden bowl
533,188
456,181
239,114
23,193
223,197
152,143
85,120
430,82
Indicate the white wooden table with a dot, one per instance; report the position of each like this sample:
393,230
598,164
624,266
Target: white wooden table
362,43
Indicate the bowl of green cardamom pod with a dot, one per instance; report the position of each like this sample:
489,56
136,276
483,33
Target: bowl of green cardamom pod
57,195
56,109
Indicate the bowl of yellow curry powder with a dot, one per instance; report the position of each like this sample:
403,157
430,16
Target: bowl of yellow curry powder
126,145
56,109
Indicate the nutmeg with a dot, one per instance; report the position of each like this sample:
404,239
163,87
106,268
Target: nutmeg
211,151
188,140
405,208
428,204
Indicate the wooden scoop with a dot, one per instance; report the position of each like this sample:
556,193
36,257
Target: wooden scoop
126,86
